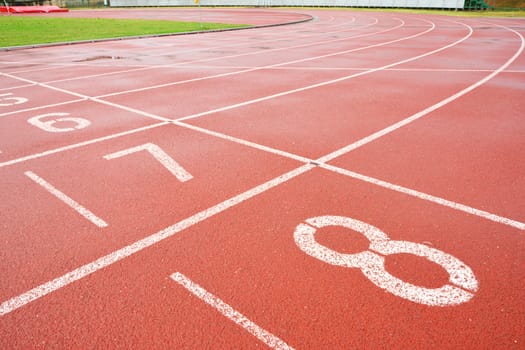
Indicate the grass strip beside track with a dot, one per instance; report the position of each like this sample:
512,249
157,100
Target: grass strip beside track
17,30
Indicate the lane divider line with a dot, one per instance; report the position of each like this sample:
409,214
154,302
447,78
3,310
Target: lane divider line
16,87
414,193
252,69
86,270
230,313
80,144
153,116
427,110
327,68
42,107
83,211
337,153
243,142
427,197
97,98
329,82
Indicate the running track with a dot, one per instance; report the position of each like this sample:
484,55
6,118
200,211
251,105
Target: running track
355,181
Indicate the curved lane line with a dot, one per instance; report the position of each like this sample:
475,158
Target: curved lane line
315,43
333,81
427,110
253,69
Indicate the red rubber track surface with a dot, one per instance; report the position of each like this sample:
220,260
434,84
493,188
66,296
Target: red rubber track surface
192,160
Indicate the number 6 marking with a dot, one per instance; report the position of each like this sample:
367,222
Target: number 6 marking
17,100
462,279
47,125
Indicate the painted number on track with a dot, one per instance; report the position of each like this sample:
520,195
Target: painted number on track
10,100
463,283
169,163
48,124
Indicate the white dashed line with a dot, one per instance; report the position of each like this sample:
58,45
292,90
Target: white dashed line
86,213
227,311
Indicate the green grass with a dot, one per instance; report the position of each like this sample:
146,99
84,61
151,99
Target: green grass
22,30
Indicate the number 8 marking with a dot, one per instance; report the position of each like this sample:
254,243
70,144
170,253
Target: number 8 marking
462,279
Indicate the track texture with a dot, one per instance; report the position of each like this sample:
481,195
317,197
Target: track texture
356,181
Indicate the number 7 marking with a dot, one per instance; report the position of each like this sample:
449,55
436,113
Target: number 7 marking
173,167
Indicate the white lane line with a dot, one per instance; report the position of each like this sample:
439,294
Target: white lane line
86,213
16,87
417,70
80,144
43,85
215,110
322,160
359,69
85,97
426,111
85,270
135,69
230,313
42,107
252,69
427,197
39,68
421,195
243,142
150,115
329,82
129,109
153,116
106,74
